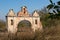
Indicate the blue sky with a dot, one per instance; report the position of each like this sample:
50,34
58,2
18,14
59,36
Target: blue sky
16,5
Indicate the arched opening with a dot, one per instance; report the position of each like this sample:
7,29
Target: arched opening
24,26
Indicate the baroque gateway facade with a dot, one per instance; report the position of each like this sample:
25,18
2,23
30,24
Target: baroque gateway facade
13,20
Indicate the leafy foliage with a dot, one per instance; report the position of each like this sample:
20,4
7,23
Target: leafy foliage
58,2
50,6
54,6
51,2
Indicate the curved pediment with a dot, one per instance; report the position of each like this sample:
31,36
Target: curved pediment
35,14
11,13
23,12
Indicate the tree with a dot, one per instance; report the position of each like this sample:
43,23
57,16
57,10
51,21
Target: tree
58,2
54,6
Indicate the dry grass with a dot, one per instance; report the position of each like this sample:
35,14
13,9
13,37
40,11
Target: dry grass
19,36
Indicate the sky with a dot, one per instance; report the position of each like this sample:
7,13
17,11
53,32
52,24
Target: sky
16,5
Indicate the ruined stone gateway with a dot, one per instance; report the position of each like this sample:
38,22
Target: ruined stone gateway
13,20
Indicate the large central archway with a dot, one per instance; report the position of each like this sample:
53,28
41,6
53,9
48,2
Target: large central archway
24,26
